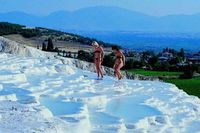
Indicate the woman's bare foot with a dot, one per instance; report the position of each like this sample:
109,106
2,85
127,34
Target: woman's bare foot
121,77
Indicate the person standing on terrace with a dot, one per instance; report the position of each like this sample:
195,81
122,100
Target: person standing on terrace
119,62
98,59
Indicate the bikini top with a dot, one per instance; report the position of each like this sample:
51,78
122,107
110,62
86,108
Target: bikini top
97,51
119,57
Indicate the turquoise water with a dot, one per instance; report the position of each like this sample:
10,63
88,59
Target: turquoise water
130,109
23,96
58,107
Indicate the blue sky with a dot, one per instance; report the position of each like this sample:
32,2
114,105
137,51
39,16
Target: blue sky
152,7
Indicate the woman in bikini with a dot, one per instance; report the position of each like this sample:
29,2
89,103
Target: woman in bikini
119,62
98,58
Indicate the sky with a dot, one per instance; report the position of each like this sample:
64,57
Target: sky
151,7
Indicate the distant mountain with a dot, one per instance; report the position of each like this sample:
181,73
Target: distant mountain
107,19
19,17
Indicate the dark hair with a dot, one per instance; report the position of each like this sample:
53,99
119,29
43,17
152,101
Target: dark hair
115,48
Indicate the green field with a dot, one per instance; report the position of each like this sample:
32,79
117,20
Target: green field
154,73
191,86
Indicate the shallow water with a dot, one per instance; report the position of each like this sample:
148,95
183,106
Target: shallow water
130,109
58,107
23,96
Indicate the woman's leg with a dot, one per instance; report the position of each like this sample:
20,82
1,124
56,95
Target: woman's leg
97,67
118,71
100,70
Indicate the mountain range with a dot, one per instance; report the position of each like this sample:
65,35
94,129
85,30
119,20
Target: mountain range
103,18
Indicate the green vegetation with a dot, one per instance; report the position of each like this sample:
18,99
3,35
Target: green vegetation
50,46
190,86
9,28
109,60
44,47
85,56
154,73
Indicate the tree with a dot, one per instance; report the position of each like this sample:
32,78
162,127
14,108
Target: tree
198,69
188,74
182,53
108,60
50,45
153,60
85,56
161,66
38,47
56,49
175,60
44,47
8,28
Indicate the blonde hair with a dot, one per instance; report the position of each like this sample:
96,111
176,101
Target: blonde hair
94,43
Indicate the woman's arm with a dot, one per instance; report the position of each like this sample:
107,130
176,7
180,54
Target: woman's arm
124,59
102,54
114,64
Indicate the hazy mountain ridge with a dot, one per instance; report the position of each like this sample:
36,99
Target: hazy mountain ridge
107,19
